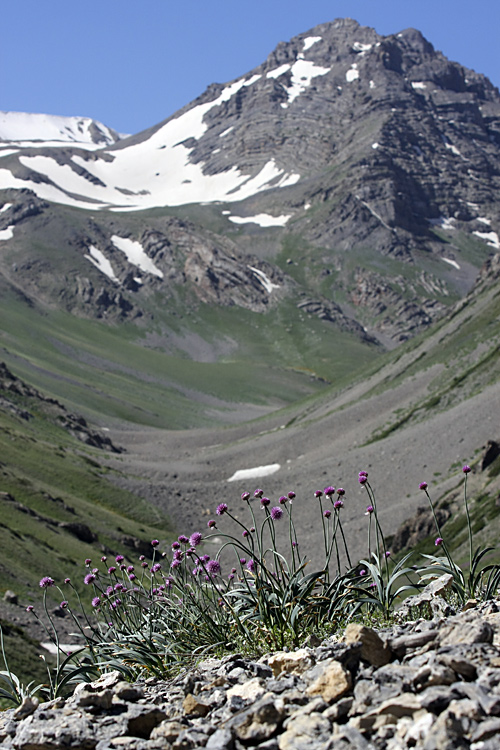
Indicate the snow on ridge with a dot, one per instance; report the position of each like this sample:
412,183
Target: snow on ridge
352,74
452,263
136,255
418,85
483,220
443,223
361,48
277,72
5,207
264,279
263,220
7,234
310,40
257,471
8,151
491,238
303,71
39,128
100,261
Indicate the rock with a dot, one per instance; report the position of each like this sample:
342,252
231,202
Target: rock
306,732
294,662
330,680
259,722
10,597
373,649
193,707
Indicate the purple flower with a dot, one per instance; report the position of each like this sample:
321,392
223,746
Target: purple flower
327,513
221,509
329,490
183,539
130,569
387,553
155,568
89,578
211,524
175,563
122,566
29,608
230,576
439,541
295,544
168,582
362,572
276,513
251,566
466,469
245,533
178,554
423,486
141,558
258,493
369,510
340,491
154,542
103,558
213,567
67,580
318,494
195,539
245,496
176,545
109,590
119,587
144,564
119,558
63,604
132,577
88,561
291,495
96,601
205,558
243,560
264,501
338,504
45,582
283,500
363,474
362,478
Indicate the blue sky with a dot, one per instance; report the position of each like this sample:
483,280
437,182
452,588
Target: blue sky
133,63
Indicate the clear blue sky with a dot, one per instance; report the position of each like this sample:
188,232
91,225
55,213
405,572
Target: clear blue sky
131,64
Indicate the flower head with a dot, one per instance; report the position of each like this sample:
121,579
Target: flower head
183,539
327,513
369,510
340,491
30,608
213,567
195,539
338,504
362,478
258,493
111,569
329,490
264,501
88,561
119,559
63,604
221,509
362,572
154,542
67,580
89,578
245,496
423,486
45,582
96,601
276,513
211,524
283,500
291,495
251,566
439,541
466,469
155,568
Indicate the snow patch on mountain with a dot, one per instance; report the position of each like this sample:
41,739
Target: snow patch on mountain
52,129
136,255
303,71
7,234
491,238
264,279
309,41
257,471
352,74
263,220
99,260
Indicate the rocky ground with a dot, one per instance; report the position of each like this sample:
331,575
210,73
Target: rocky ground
423,683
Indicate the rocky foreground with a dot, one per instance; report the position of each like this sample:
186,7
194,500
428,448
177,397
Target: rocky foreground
427,683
